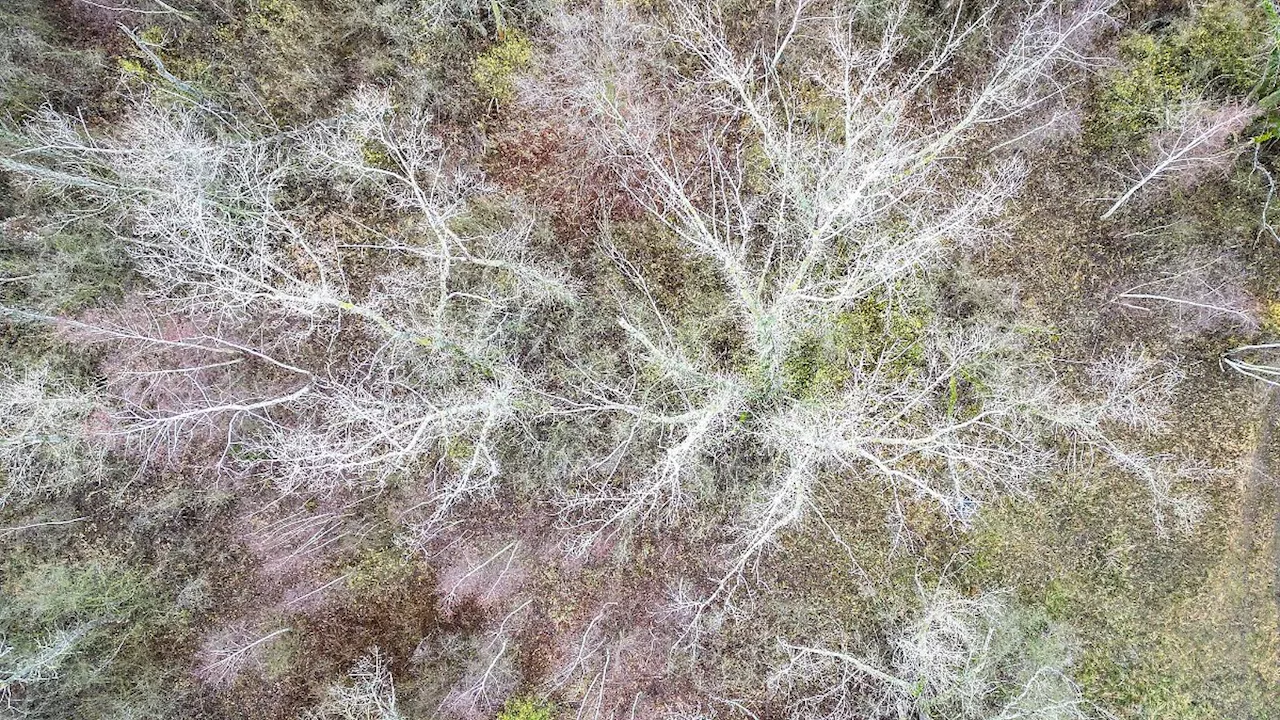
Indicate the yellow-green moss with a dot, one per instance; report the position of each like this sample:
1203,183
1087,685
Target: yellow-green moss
132,67
1271,317
459,452
272,14
375,155
1217,52
495,68
379,569
526,708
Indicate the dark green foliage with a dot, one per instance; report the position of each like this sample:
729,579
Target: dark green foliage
297,59
284,51
302,56
382,573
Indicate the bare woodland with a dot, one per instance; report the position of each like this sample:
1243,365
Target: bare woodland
712,410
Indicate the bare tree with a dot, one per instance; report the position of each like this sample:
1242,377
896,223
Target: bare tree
698,417
1197,293
1197,140
915,432
231,651
1255,361
20,669
608,666
45,443
1125,404
396,157
802,220
370,694
252,302
490,676
487,579
774,238
961,658
772,226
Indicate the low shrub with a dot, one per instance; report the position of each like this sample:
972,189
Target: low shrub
496,67
1215,53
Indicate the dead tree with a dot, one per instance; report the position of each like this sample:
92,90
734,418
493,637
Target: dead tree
1197,140
1197,293
768,211
370,694
802,220
490,676
46,442
245,304
962,657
